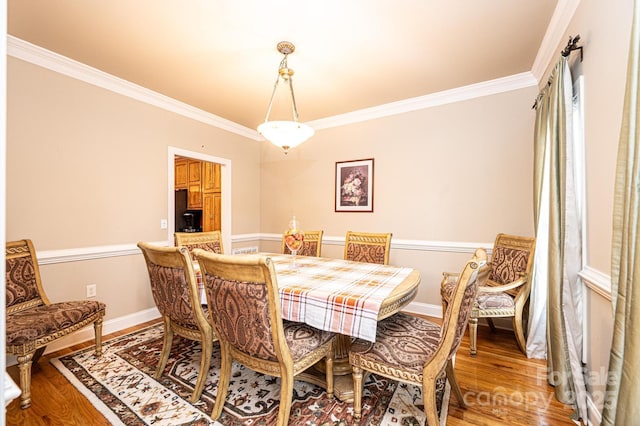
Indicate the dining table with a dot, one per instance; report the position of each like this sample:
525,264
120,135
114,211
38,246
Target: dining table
341,296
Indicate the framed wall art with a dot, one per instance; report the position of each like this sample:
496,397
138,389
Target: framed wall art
354,186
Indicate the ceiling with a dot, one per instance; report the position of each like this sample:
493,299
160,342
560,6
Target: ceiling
220,56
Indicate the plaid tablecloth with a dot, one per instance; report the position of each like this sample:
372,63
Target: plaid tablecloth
334,294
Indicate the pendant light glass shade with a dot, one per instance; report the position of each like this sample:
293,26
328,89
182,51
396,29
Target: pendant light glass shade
282,133
285,134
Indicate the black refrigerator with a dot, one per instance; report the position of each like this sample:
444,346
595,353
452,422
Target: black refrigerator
186,220
180,209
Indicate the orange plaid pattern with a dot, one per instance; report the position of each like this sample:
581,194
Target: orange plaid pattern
334,294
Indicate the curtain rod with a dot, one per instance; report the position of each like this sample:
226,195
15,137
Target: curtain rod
571,46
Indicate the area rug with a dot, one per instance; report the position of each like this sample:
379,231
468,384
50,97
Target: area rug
121,386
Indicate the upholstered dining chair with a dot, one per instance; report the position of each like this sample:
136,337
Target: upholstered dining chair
175,292
415,350
367,247
506,291
211,241
244,303
312,245
32,321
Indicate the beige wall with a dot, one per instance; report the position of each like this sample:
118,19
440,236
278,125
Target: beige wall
460,173
87,167
98,171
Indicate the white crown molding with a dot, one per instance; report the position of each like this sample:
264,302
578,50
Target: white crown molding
593,279
241,238
42,57
598,282
48,257
562,15
420,245
52,61
459,94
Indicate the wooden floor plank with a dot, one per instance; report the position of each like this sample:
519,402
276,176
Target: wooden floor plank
500,385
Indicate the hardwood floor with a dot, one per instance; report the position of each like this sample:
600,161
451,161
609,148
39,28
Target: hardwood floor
500,386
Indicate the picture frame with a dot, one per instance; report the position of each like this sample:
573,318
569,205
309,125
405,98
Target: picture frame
354,186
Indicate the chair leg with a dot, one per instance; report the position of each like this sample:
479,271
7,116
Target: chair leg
223,383
473,335
519,332
97,327
429,400
24,365
357,393
166,347
451,376
205,363
37,355
286,395
492,325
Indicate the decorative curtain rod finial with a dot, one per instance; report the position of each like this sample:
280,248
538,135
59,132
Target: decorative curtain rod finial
571,46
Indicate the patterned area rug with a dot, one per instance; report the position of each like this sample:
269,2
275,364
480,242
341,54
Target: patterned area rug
121,386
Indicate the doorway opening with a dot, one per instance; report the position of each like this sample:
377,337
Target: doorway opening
207,195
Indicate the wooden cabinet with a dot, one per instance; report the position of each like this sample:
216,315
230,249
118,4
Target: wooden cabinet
203,183
211,197
181,173
211,211
194,200
211,180
195,170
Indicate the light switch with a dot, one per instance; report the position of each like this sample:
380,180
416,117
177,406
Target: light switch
163,224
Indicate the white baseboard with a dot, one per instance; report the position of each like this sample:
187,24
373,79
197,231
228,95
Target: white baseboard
109,326
87,333
121,323
435,311
427,309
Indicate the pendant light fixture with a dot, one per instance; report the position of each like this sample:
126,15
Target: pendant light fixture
282,133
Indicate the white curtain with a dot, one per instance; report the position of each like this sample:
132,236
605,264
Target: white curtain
537,331
537,334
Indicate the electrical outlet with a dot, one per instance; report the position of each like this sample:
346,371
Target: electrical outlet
91,290
163,224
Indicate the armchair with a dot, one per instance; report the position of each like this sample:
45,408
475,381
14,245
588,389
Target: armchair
175,292
506,290
415,350
32,321
242,294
